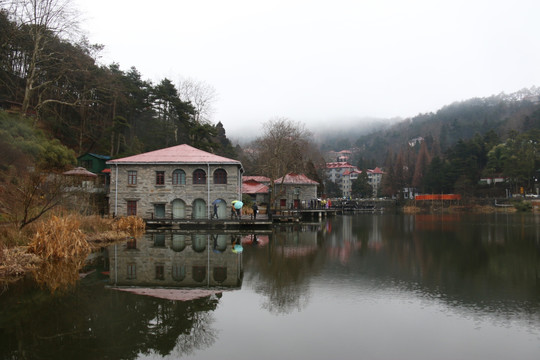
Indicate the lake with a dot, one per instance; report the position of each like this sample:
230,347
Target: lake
366,286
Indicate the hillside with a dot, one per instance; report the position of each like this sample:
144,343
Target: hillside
501,113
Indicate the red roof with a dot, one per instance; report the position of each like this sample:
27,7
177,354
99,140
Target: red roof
348,172
377,170
253,187
261,179
175,154
292,178
340,164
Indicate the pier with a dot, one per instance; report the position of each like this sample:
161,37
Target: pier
263,221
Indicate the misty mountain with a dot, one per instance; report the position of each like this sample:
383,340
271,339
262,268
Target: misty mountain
342,133
519,111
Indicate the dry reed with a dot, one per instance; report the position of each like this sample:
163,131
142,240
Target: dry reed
16,261
133,225
59,238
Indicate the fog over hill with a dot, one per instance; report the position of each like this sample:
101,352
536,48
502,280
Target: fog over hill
328,131
349,129
500,112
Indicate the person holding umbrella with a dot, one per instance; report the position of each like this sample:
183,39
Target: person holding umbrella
236,208
215,212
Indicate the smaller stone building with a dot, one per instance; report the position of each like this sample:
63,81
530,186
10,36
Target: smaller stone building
295,191
179,182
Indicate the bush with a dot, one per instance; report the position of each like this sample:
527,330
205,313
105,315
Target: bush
521,205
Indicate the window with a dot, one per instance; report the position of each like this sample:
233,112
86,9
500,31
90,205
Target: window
160,177
87,164
131,207
131,271
132,177
283,202
220,176
160,272
179,177
131,243
159,211
199,177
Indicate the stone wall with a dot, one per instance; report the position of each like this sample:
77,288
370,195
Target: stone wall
304,193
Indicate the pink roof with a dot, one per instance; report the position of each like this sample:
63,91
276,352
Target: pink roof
340,164
348,172
175,154
253,187
377,170
261,179
292,178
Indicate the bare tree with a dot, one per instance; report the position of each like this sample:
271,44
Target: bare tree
27,195
42,20
202,97
284,147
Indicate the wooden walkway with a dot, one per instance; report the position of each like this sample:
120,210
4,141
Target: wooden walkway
246,222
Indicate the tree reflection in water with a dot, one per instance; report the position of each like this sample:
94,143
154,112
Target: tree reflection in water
93,322
284,271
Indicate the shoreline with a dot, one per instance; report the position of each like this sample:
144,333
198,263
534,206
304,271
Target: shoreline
17,262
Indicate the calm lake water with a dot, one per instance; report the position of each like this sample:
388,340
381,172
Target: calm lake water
353,287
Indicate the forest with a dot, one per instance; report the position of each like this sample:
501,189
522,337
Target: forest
88,107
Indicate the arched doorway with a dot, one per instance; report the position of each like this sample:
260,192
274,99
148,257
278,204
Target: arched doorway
221,208
199,210
178,209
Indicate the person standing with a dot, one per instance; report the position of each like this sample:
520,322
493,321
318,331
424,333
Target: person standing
255,210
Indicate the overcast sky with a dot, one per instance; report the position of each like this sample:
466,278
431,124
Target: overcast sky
319,62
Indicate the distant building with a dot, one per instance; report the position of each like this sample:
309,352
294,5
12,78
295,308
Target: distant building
93,162
416,140
492,180
375,179
346,181
344,174
335,170
339,156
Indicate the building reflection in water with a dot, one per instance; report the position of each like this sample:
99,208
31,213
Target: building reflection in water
178,260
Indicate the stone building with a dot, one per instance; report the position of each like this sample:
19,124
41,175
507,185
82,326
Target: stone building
295,191
179,182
